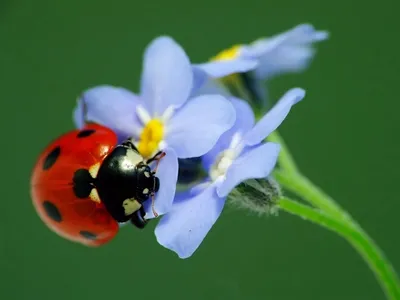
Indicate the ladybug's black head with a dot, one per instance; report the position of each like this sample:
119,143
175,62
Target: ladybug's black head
125,181
147,183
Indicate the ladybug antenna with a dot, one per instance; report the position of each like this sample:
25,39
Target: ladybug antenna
156,158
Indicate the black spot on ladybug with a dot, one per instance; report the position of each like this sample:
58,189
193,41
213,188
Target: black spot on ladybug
83,183
88,235
52,211
85,133
51,158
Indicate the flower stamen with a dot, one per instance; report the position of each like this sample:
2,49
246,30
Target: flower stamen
226,158
236,141
168,113
222,163
143,115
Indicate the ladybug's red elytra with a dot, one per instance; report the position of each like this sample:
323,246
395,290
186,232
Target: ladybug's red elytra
85,183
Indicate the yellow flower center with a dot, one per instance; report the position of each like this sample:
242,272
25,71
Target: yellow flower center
150,138
228,54
232,81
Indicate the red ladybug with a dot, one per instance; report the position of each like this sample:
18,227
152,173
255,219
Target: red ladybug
84,184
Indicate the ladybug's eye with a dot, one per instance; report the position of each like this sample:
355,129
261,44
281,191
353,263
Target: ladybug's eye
146,170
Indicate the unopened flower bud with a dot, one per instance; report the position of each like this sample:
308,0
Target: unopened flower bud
257,195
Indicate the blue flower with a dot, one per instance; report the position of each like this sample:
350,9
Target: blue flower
241,69
161,117
240,154
290,51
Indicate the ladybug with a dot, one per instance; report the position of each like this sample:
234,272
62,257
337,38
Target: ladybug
84,184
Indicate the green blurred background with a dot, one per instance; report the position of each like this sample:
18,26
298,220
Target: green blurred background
343,136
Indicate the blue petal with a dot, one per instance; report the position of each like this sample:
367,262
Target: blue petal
184,228
204,84
114,107
168,174
274,117
78,114
210,87
200,77
195,128
244,115
181,196
244,122
167,76
218,69
290,51
257,162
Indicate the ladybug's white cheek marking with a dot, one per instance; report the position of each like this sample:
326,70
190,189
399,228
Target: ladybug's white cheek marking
133,157
130,206
94,196
94,170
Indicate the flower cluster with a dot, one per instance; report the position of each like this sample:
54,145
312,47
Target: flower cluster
202,114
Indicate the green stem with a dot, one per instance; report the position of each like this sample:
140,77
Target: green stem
286,160
292,180
357,238
303,187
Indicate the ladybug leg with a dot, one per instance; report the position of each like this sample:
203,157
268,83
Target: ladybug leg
153,198
159,155
138,219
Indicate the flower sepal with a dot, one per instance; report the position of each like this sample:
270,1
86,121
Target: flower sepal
260,196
